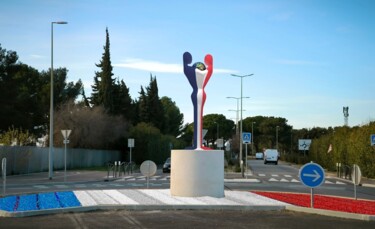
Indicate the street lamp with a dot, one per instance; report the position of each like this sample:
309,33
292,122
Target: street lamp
252,138
237,98
277,138
217,134
50,152
241,164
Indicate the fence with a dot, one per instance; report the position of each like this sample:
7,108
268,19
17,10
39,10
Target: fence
30,159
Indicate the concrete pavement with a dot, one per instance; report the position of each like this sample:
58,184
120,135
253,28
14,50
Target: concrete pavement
136,199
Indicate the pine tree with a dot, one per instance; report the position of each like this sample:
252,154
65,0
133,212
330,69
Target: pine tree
123,104
103,88
143,111
173,118
155,107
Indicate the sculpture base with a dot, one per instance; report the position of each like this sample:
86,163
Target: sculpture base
197,173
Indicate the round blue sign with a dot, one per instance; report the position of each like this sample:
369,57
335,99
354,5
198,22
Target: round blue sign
312,175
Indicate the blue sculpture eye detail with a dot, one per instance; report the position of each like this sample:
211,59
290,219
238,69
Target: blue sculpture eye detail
200,66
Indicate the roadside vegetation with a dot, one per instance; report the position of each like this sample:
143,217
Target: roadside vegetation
108,117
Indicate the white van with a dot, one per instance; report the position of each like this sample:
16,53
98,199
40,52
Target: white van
271,155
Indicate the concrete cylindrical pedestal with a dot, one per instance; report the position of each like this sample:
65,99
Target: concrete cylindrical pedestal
197,173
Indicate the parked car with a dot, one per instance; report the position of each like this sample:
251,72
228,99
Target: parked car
271,156
259,156
167,166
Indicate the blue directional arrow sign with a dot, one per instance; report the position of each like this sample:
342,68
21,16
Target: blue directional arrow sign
246,138
373,139
312,175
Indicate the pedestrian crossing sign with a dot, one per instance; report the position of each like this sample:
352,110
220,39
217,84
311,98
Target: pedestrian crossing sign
246,138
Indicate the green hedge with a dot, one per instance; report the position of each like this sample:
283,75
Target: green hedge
349,146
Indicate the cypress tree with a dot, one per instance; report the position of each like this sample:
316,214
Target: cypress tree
123,104
155,107
143,111
103,88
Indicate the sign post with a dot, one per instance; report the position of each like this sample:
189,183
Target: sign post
312,175
130,145
246,139
65,134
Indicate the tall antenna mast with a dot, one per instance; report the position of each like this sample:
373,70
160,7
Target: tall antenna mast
346,115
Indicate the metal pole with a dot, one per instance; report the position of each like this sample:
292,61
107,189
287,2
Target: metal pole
252,138
241,140
241,159
130,159
246,159
50,152
277,138
238,109
312,198
65,141
354,181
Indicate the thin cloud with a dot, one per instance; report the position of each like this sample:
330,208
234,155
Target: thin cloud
35,56
155,66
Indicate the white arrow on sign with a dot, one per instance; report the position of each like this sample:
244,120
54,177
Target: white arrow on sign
316,175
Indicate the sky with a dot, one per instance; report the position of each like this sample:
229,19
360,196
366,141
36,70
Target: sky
309,58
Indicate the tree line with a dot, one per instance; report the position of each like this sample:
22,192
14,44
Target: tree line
109,116
103,120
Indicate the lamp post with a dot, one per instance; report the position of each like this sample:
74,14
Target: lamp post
237,98
50,152
241,164
217,134
252,137
277,138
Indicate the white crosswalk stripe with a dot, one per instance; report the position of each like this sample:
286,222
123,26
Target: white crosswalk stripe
40,186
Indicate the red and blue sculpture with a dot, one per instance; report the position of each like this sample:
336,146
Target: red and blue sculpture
198,75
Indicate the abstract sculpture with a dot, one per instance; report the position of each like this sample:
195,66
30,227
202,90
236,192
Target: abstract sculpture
198,171
198,76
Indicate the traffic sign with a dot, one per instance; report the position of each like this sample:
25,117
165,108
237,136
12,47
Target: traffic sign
372,139
246,138
312,175
130,142
304,144
66,133
356,175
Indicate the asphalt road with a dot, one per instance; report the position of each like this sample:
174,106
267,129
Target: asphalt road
270,177
284,177
184,219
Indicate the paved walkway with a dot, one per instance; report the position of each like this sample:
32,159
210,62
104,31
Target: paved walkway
141,199
132,199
